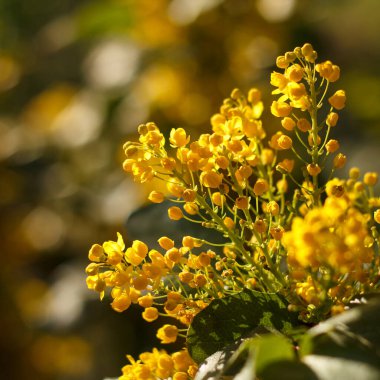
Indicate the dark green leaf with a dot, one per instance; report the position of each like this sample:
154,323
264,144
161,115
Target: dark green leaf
227,320
288,370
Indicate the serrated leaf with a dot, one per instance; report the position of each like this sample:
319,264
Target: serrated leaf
228,319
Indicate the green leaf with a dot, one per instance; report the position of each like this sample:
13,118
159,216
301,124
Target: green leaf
99,18
252,358
272,348
347,346
229,319
360,324
336,368
288,370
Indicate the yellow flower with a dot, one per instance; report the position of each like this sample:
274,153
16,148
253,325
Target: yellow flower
176,189
146,301
278,80
191,208
284,142
178,138
288,123
332,146
286,165
332,119
121,303
313,169
211,179
303,125
280,109
376,216
175,213
136,253
295,73
114,250
370,178
150,314
338,100
261,186
140,282
182,360
282,62
328,71
96,253
229,223
165,243
273,208
242,203
339,160
156,197
296,90
167,333
218,199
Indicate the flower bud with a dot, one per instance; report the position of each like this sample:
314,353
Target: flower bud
165,243
254,95
175,213
156,197
191,208
295,73
242,203
218,199
339,161
280,109
281,62
277,233
229,223
288,123
261,186
332,146
376,216
370,178
178,137
303,125
189,195
284,142
260,226
307,49
211,179
313,169
150,314
338,100
354,173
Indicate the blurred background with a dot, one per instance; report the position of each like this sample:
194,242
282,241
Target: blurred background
76,79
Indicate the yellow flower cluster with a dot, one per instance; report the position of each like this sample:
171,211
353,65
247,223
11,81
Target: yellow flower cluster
286,230
158,364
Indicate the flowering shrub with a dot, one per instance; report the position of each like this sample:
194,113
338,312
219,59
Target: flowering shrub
299,245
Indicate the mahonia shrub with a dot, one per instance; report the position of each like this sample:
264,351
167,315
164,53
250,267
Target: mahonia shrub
290,226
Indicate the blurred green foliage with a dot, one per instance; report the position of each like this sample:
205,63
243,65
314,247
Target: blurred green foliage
76,78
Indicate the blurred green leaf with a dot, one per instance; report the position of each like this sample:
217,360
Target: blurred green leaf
271,348
346,346
103,18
